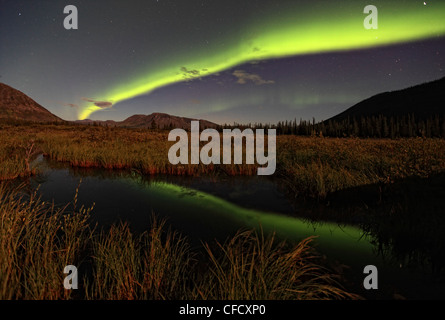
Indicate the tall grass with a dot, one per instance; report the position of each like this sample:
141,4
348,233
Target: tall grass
308,166
252,265
15,156
37,241
315,167
153,265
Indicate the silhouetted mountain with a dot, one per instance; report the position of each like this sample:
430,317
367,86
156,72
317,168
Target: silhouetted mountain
152,121
15,105
162,121
422,101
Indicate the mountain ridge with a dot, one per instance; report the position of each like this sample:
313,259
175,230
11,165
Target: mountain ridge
422,100
155,120
16,105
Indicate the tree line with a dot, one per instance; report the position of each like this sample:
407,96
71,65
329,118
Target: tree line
365,126
380,126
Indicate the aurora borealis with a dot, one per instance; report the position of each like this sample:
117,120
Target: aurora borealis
224,61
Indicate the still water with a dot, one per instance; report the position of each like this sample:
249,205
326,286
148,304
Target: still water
212,208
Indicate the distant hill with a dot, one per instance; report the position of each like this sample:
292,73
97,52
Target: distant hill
100,122
422,101
163,121
15,105
155,120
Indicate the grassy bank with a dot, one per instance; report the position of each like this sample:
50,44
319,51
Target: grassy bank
309,166
37,240
317,167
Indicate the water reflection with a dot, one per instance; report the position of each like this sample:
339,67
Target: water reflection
392,235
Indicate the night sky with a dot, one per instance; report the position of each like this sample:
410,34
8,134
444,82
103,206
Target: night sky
220,60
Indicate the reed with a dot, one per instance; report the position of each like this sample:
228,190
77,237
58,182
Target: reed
37,240
308,166
254,266
154,265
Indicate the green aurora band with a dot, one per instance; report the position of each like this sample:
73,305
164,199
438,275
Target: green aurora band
324,27
183,203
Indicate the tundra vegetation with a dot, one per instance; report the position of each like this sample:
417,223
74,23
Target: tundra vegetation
37,239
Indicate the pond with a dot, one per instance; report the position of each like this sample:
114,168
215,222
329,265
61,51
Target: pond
212,208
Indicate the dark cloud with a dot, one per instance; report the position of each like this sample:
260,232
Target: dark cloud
100,104
103,104
244,77
190,74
